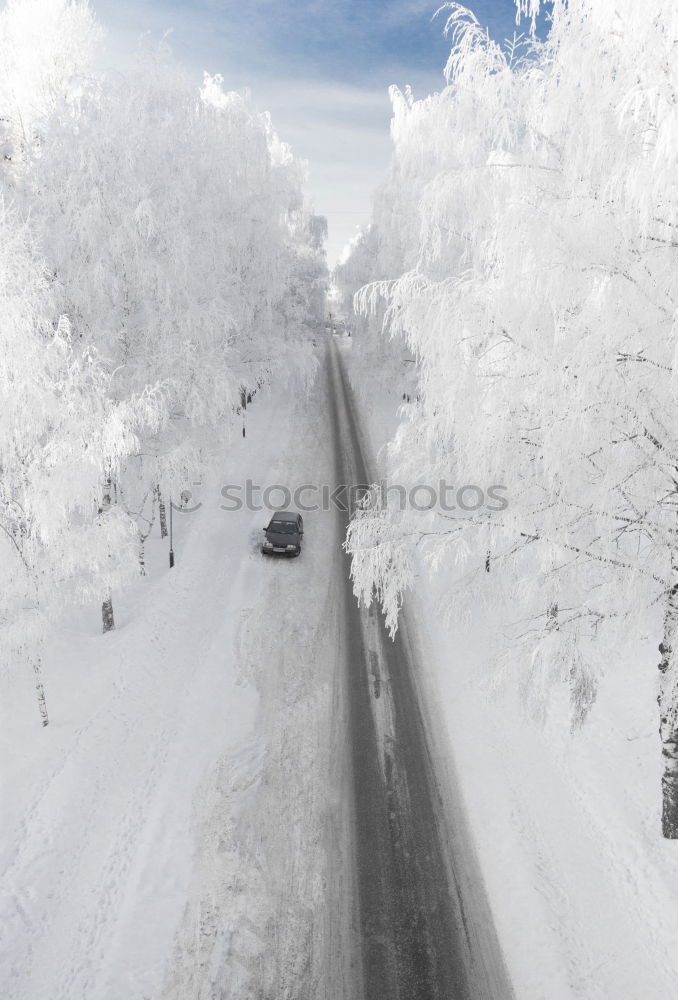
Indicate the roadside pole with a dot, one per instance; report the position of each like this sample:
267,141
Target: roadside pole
171,554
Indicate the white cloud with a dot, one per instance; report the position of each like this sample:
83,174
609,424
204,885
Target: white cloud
343,132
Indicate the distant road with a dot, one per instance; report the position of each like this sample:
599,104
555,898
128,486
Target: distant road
425,927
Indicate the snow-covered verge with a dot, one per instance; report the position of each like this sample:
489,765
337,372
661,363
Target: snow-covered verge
180,826
583,889
270,905
99,808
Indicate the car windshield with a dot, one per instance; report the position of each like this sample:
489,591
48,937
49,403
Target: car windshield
283,527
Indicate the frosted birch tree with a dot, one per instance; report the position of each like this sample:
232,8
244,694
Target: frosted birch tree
45,47
541,311
179,238
58,436
179,260
170,228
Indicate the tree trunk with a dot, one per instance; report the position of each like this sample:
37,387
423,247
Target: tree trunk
39,689
668,721
552,617
34,657
107,615
143,535
163,515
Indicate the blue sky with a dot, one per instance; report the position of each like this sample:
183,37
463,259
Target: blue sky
321,67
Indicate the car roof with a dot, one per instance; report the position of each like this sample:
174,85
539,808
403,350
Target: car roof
284,515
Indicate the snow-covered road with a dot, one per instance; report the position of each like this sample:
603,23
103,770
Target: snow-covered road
241,794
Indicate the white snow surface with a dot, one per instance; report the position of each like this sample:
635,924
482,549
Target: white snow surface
168,834
177,829
567,826
100,810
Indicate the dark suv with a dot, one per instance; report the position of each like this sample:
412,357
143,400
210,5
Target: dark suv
284,533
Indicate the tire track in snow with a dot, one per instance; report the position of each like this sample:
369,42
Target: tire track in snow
273,867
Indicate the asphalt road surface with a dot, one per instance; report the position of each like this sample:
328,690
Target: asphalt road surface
425,928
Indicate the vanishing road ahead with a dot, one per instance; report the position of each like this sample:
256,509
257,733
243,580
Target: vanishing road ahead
335,861
425,927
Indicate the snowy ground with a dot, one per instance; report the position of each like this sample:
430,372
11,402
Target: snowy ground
257,924
172,724
584,890
169,835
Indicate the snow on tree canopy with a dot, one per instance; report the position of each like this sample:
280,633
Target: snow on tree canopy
158,260
523,250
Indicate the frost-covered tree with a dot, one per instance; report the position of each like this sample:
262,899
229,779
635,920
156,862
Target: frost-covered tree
541,310
180,262
178,235
165,217
59,434
45,46
385,248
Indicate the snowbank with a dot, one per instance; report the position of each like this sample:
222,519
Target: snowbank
98,832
